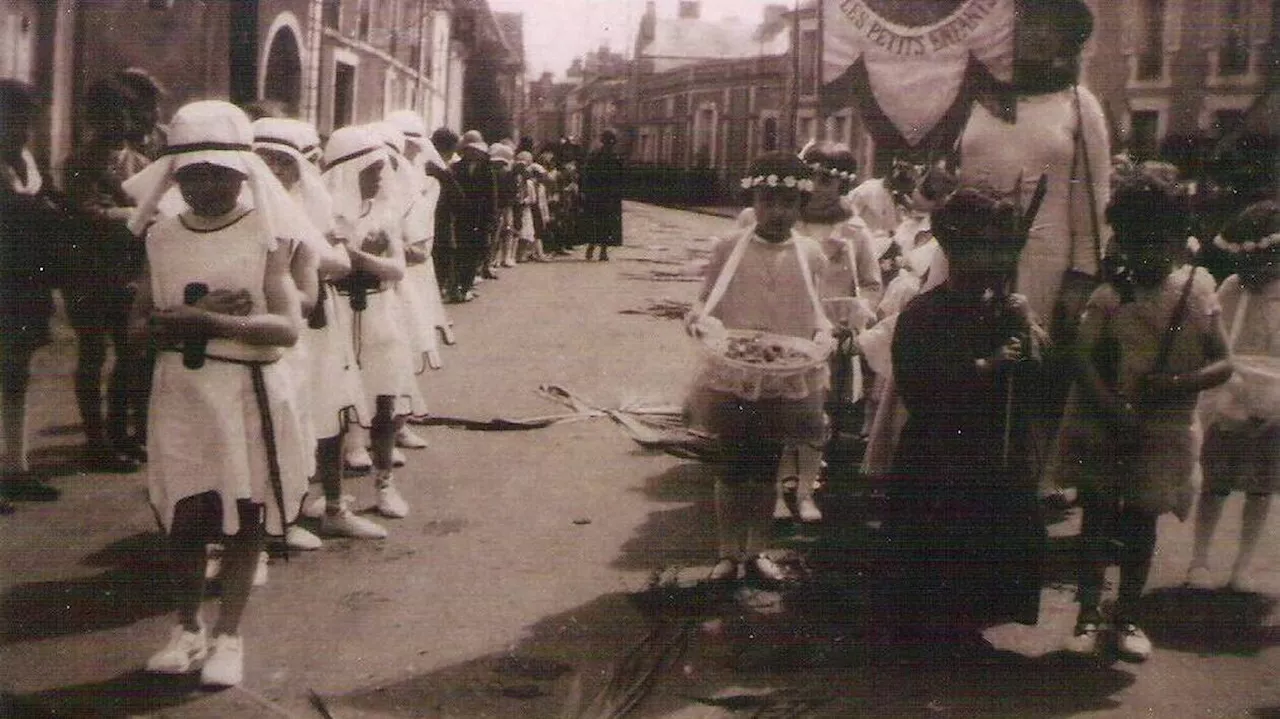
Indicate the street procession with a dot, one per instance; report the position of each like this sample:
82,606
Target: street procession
818,358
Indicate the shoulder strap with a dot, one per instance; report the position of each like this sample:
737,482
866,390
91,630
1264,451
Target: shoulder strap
728,270
1237,321
1082,145
820,316
1175,324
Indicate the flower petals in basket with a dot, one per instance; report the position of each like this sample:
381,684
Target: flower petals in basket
754,365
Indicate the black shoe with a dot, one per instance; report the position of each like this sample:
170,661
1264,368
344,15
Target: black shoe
27,489
604,256
108,459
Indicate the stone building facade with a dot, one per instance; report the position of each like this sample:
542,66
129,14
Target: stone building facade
332,62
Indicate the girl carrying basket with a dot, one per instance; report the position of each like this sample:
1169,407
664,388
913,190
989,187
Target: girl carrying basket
764,280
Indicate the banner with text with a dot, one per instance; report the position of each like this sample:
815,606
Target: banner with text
906,65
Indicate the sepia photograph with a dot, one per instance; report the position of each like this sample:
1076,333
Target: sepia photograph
639,359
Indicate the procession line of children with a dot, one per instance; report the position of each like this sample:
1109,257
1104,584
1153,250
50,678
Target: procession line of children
294,306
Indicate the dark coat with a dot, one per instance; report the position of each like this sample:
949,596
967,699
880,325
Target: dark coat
475,215
603,182
964,520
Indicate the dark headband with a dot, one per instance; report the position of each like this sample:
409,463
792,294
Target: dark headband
352,156
277,141
206,147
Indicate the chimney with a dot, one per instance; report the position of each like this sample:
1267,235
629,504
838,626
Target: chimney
690,9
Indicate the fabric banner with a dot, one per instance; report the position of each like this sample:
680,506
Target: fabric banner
911,66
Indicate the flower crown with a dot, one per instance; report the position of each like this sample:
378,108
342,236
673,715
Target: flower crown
832,172
790,181
1236,248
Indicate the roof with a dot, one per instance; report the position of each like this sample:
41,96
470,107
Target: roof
681,40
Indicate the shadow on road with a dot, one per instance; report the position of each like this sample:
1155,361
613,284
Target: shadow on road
126,695
1210,621
685,647
124,593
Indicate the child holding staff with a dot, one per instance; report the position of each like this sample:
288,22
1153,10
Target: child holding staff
1130,436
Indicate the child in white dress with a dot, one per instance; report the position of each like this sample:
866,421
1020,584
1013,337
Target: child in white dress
1241,450
227,450
766,279
328,379
355,160
847,286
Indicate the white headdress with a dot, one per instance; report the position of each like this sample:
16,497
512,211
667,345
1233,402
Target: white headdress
404,180
415,132
290,137
216,133
349,151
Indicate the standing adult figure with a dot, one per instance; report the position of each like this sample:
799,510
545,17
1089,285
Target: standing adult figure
444,250
29,223
474,217
603,176
104,262
1049,125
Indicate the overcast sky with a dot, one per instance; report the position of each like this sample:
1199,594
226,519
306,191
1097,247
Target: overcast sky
556,31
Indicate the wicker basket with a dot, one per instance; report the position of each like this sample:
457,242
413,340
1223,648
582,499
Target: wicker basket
799,369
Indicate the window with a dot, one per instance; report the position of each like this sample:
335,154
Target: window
805,130
1151,56
331,13
769,136
1233,53
808,62
344,94
704,136
362,24
739,101
1144,132
836,125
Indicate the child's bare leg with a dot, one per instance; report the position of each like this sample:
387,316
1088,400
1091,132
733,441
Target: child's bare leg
1208,513
809,467
240,560
383,434
329,468
186,566
1253,521
788,470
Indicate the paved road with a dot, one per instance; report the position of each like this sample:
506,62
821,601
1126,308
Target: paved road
517,587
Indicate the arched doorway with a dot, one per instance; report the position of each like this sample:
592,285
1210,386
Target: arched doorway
282,82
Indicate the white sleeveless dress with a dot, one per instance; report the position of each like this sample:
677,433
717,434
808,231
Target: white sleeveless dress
383,346
206,427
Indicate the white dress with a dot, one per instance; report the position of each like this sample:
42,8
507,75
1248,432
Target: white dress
205,429
383,344
1042,141
332,377
425,274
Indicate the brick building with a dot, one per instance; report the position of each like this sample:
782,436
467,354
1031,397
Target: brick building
1177,75
333,62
